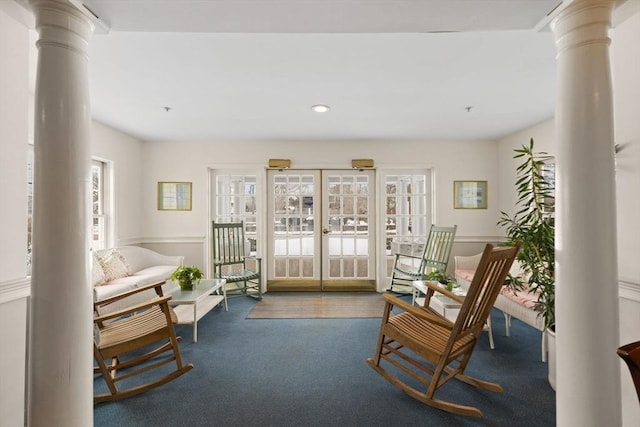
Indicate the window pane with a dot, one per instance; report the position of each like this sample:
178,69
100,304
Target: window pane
99,224
235,200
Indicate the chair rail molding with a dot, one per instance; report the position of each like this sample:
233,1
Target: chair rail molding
170,239
629,290
12,290
479,239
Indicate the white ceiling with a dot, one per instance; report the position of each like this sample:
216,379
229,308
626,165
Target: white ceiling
237,70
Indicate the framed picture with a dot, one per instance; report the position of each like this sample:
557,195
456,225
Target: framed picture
470,194
174,196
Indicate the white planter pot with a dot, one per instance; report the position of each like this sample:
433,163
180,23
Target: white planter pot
551,348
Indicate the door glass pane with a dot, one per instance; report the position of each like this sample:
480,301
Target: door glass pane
348,221
235,201
407,214
293,224
348,270
320,230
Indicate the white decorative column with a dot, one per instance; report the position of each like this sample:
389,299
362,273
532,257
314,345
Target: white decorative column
588,370
60,386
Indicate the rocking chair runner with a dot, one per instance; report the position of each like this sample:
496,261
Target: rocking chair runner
230,260
128,342
435,256
419,334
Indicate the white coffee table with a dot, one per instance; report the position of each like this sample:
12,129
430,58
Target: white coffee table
442,304
191,306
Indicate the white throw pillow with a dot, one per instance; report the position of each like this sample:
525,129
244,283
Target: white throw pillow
97,273
114,266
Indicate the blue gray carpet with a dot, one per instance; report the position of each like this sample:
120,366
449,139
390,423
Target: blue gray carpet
312,372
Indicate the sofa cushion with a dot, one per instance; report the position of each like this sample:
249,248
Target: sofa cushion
159,272
97,273
114,265
524,298
466,275
104,292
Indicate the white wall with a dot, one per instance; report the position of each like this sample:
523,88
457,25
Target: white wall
123,155
475,160
14,95
543,135
14,48
626,84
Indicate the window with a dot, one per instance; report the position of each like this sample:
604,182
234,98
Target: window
235,201
29,204
407,214
99,220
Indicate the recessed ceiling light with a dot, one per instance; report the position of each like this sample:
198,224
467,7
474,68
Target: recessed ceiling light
320,108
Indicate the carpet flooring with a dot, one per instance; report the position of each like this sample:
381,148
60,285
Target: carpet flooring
313,373
338,306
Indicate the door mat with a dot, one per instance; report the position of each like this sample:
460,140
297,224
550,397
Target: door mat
317,307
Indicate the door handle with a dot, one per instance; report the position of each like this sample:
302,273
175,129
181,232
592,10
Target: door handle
325,230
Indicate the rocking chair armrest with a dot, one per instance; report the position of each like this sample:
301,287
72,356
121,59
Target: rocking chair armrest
399,255
157,286
396,260
418,311
146,304
444,291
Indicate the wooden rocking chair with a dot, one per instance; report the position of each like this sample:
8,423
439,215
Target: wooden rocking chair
426,346
230,260
128,342
435,256
630,353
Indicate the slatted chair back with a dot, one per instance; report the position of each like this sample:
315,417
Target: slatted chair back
228,243
135,341
435,256
437,249
483,291
230,260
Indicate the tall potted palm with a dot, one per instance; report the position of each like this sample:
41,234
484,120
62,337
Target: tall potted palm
533,225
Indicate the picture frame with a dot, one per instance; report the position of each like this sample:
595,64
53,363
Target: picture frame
470,194
174,196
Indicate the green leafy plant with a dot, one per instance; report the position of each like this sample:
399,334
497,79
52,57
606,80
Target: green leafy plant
442,278
534,227
186,276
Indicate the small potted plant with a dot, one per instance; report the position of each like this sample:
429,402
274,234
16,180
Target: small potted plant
443,278
186,276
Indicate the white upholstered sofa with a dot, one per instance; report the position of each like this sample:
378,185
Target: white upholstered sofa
124,268
521,305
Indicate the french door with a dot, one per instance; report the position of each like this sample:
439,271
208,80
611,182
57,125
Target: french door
321,230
